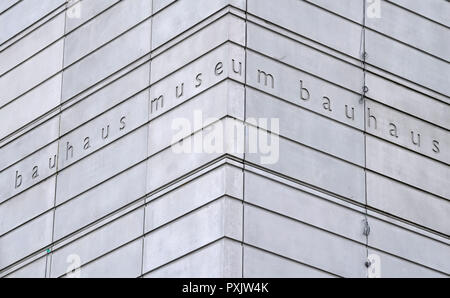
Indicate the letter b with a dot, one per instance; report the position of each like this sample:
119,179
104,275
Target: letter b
18,181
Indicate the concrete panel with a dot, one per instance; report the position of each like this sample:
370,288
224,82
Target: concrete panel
33,270
310,21
222,218
434,9
302,57
171,164
105,98
407,62
227,98
261,264
315,168
227,28
28,172
308,128
222,259
200,191
31,73
32,43
103,130
25,240
100,201
408,132
407,100
184,14
304,207
100,30
31,203
14,116
352,9
408,203
29,142
409,245
109,59
125,262
428,36
23,15
408,167
304,243
392,267
85,10
102,165
99,242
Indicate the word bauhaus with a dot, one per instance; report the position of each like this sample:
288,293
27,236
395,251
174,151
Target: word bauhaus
84,145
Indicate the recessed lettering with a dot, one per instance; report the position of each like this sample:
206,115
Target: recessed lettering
266,77
157,103
304,93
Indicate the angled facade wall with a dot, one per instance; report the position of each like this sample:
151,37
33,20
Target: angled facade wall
224,138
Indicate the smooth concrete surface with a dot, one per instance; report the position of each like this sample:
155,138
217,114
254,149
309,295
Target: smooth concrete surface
98,97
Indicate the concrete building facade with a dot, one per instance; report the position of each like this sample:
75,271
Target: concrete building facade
224,138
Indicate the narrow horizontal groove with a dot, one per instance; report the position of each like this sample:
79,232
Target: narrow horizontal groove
176,219
408,80
333,12
10,7
410,46
292,260
418,14
384,34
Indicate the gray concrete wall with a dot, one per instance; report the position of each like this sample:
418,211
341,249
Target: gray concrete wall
89,178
